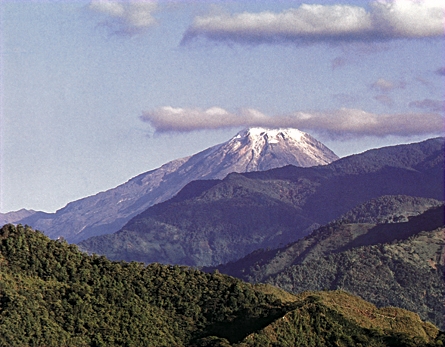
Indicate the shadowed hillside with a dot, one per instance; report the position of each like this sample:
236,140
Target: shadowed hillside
214,222
391,263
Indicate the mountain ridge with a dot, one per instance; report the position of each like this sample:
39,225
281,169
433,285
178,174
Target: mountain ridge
339,235
219,221
252,149
54,295
387,261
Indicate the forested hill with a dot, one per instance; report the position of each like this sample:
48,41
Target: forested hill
52,295
376,251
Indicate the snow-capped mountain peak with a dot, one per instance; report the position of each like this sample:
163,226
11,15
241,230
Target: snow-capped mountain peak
253,149
257,138
272,134
257,149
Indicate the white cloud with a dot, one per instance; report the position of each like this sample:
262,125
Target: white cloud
329,23
342,123
170,119
111,8
127,17
139,13
384,86
409,18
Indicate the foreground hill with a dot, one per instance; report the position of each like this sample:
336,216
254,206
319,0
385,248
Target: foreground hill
341,319
217,221
254,149
51,295
391,263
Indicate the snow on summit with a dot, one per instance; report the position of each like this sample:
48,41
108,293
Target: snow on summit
253,149
257,149
273,133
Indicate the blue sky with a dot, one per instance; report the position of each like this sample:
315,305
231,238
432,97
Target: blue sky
96,92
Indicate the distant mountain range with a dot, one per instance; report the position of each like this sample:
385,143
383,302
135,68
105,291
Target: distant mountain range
390,212
216,221
12,217
106,212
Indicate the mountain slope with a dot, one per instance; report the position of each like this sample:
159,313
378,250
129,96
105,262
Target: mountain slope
11,217
53,295
387,275
213,222
341,319
380,220
250,150
398,264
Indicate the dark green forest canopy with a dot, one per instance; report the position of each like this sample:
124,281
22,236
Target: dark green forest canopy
49,288
51,294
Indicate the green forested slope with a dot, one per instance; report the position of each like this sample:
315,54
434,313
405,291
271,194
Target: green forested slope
399,264
379,220
391,274
51,295
341,319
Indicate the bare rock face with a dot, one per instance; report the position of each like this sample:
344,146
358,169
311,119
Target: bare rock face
254,149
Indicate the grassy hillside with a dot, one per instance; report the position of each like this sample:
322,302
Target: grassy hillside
51,295
341,319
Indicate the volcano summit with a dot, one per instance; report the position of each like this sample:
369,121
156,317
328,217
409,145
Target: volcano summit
254,149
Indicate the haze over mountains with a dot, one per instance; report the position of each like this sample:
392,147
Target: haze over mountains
216,221
250,150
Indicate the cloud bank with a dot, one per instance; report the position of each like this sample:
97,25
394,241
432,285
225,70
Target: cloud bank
385,20
128,17
343,123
